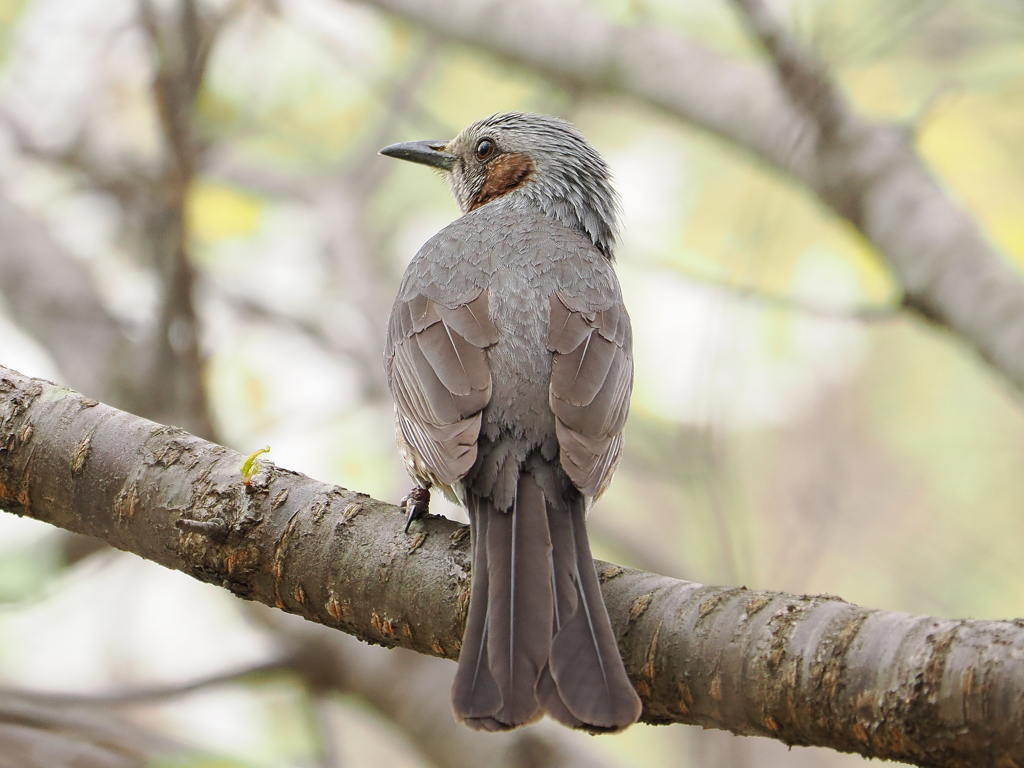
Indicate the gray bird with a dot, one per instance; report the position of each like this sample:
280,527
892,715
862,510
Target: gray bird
509,356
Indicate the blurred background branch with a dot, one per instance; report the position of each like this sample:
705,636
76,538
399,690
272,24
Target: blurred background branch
867,172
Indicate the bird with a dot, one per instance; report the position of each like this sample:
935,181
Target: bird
509,358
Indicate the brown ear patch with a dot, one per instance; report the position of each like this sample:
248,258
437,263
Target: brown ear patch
504,173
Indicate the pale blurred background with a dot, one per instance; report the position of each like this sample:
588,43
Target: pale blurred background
790,429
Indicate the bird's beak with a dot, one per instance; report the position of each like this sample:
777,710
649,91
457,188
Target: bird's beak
425,152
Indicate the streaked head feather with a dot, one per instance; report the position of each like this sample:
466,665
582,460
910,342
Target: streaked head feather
539,161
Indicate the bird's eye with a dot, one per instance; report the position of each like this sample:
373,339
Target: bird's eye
485,149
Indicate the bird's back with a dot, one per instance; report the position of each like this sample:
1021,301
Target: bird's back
521,258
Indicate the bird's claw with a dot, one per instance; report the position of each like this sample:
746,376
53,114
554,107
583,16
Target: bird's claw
416,504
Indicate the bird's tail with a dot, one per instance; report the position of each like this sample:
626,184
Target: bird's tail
538,638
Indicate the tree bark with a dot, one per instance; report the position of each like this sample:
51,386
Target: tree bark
807,670
867,172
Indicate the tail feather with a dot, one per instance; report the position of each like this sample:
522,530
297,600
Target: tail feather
475,694
551,700
519,600
562,568
538,638
585,664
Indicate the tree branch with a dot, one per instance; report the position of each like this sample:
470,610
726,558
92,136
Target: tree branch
796,121
412,691
181,44
35,734
150,694
51,295
810,670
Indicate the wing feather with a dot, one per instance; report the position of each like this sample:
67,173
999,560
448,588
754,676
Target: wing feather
437,369
591,381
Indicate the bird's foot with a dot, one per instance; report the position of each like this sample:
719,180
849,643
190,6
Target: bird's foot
416,504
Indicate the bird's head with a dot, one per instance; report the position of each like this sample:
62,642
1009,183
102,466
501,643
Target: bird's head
537,161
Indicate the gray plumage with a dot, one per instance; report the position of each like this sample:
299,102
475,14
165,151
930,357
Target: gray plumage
509,358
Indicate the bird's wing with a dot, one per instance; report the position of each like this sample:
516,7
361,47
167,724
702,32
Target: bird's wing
591,380
438,374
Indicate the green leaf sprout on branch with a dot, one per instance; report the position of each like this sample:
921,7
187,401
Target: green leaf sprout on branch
250,466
